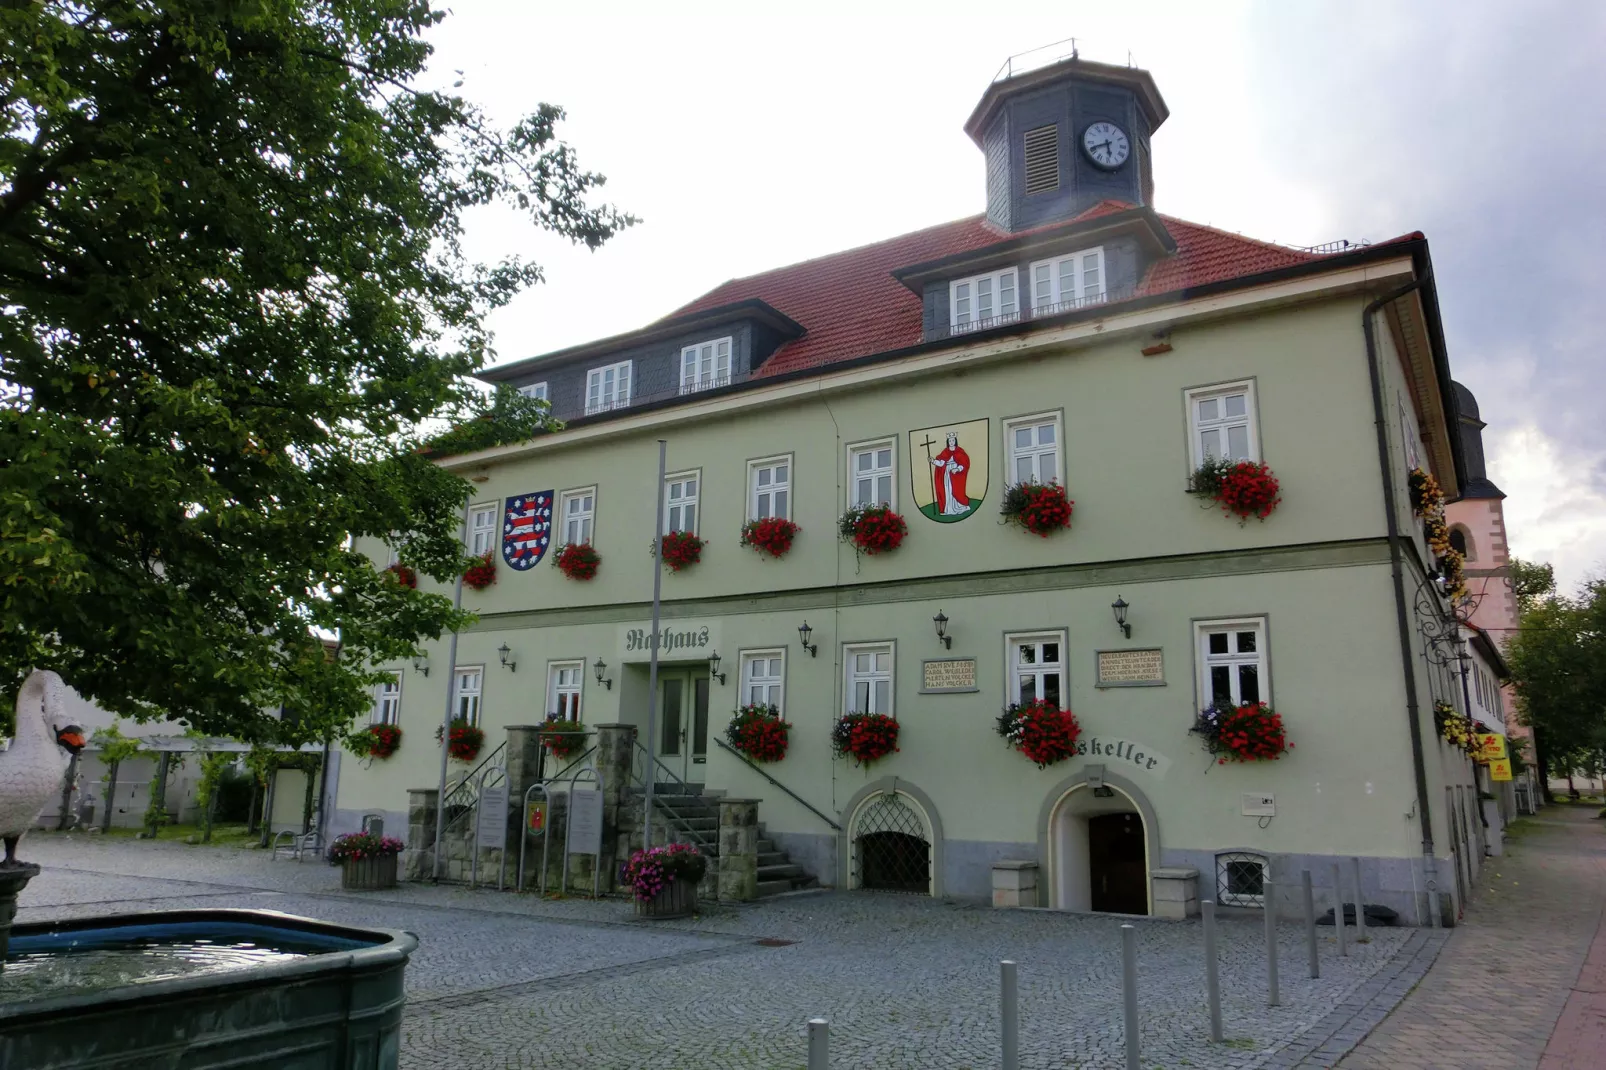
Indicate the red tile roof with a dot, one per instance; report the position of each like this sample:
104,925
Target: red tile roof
851,306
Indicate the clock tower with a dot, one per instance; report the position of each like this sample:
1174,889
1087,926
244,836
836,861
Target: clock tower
1062,138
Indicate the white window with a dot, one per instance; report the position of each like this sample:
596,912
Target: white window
563,689
763,674
680,502
535,391
576,511
1036,667
387,702
1233,668
1221,422
869,679
769,488
870,475
470,684
482,530
981,299
705,365
1068,281
1034,449
608,388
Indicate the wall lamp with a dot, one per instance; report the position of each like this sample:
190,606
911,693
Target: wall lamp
713,668
803,633
421,663
601,669
509,662
1120,607
941,621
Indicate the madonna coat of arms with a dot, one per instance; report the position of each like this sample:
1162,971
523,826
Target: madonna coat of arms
526,529
948,469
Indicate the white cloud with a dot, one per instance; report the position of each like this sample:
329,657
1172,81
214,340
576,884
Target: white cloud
1553,513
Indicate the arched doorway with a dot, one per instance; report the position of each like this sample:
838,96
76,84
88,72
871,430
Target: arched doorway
1101,846
892,845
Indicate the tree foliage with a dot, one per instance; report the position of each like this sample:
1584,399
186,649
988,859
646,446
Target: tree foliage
1531,582
232,292
1558,666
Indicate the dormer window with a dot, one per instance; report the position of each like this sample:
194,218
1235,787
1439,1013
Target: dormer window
608,388
535,392
705,365
982,300
1068,282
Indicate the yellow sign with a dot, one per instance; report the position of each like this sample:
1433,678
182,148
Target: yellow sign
948,469
954,674
535,818
1500,769
1130,667
1491,747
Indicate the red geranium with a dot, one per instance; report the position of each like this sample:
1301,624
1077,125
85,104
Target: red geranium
864,737
1252,732
759,732
1040,730
681,549
1243,488
773,535
872,529
1040,508
577,560
403,575
562,738
376,741
465,741
482,573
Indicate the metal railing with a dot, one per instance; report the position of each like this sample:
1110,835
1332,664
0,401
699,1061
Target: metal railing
1342,245
1044,56
1028,313
795,796
664,774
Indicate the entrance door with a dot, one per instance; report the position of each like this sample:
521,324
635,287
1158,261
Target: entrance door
683,720
1118,863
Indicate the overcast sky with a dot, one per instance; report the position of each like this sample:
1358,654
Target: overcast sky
747,142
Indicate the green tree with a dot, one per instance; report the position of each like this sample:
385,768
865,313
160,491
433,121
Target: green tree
1558,666
233,300
1531,582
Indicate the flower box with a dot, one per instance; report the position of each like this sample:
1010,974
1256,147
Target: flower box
864,737
375,741
872,529
577,560
482,573
1242,488
372,874
759,732
465,742
677,899
1040,730
403,575
665,879
1040,508
773,535
681,549
563,739
1252,732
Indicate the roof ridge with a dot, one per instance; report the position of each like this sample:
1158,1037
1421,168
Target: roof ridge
1264,244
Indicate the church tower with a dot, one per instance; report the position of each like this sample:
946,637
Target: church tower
1062,138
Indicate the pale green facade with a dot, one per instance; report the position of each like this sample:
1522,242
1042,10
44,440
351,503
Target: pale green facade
1317,572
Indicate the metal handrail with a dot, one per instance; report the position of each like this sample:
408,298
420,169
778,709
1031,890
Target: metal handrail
473,774
685,789
798,798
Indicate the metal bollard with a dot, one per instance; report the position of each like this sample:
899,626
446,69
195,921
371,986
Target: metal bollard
1310,923
1129,985
1360,904
1212,969
1338,913
1010,1015
1268,898
819,1044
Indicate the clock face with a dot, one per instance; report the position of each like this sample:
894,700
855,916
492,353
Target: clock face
1106,145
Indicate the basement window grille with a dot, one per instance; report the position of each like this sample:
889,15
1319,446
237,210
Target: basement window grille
1240,880
1043,159
890,847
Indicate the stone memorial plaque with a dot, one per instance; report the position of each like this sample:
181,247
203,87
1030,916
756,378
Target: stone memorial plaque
585,822
949,675
1131,668
491,820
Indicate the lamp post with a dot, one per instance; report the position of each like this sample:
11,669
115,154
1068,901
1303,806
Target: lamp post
803,633
941,621
1120,607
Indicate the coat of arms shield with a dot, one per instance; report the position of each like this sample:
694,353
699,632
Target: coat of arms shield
948,469
526,529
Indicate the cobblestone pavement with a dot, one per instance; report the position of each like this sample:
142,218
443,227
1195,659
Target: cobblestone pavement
505,980
1493,999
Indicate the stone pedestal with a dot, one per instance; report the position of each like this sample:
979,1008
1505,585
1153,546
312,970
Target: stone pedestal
12,881
1014,884
418,861
738,850
615,752
1176,891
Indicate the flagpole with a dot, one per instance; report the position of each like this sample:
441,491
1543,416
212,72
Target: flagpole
446,722
652,663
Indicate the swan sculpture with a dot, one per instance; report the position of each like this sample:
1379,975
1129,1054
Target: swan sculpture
31,771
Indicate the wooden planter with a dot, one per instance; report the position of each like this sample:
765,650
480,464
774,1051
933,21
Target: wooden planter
368,874
677,900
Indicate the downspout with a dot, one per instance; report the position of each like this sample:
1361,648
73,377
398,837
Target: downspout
1397,567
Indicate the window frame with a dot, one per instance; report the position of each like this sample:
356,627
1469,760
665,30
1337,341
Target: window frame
1202,626
621,398
694,351
475,529
1194,394
976,323
1056,275
1057,418
382,694
890,442
478,693
552,690
849,678
537,391
753,467
696,500
1223,860
563,514
1012,678
744,678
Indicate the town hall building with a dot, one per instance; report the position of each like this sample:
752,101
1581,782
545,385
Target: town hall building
1071,335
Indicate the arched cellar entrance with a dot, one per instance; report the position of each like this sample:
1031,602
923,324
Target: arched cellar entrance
892,845
1101,844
